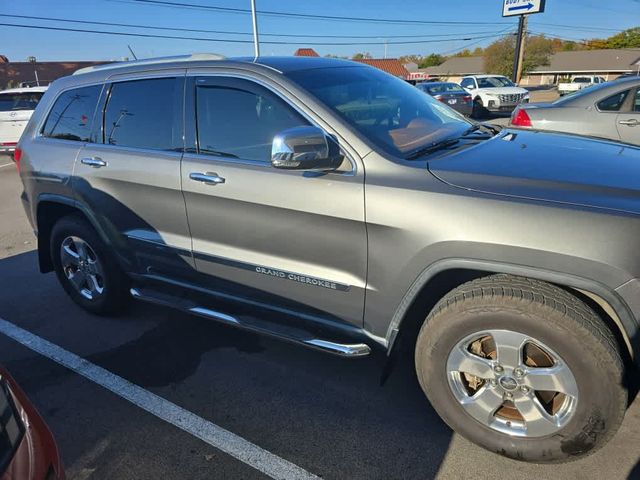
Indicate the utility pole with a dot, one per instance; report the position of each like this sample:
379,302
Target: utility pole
519,52
256,43
385,48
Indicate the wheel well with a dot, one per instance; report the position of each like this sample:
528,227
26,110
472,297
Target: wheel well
47,216
447,280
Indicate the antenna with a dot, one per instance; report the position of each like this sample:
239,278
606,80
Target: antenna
254,18
132,52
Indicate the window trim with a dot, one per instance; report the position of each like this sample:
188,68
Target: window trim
615,112
43,120
190,119
177,120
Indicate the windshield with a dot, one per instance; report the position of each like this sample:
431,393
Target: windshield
444,88
19,101
389,112
494,82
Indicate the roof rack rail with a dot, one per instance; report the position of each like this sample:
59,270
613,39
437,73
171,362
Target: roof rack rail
152,61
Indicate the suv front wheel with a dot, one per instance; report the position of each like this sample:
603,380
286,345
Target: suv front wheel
522,368
85,268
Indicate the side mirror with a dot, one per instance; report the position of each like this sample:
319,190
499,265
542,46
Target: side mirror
305,148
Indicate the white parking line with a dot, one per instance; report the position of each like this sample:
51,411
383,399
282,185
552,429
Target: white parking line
230,443
6,164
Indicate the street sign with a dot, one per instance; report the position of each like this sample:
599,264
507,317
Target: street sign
522,7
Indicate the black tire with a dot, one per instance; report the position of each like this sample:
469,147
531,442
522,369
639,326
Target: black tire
115,284
478,110
540,311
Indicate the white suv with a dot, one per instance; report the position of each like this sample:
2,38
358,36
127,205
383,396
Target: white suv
16,107
495,93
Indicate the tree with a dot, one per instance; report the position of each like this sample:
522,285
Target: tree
432,60
626,39
538,50
361,55
417,59
498,57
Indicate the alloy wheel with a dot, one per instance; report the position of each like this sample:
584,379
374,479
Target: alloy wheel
82,267
512,383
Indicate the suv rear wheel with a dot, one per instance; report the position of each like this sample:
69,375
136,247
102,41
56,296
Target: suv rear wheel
522,368
85,267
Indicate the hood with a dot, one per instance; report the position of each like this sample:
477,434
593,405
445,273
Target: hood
504,90
547,166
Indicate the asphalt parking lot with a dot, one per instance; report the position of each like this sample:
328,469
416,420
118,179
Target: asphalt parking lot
321,415
537,94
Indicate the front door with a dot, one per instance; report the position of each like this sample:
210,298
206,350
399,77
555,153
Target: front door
129,176
290,240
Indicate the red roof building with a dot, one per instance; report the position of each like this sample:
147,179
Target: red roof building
306,52
13,74
389,65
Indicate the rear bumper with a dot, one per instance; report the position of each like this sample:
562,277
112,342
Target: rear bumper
7,149
464,108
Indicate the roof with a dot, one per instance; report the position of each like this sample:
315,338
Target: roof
24,90
305,52
13,74
458,66
611,60
389,65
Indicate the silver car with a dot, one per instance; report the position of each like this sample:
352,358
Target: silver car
331,205
610,110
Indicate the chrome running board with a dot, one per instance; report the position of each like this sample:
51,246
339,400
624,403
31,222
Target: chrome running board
281,332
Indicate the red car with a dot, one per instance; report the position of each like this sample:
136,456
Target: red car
27,448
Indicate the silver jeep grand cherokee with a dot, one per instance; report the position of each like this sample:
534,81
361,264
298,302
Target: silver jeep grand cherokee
329,204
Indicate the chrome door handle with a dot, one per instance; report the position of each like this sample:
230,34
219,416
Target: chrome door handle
209,178
630,123
94,162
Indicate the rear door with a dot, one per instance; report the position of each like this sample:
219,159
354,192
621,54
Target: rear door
628,123
290,240
129,175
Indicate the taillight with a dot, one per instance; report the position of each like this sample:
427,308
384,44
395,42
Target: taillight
466,99
440,98
520,118
17,156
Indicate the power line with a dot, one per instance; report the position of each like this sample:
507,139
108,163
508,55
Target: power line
230,40
228,32
308,15
576,27
459,49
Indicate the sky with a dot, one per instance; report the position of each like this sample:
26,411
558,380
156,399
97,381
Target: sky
481,24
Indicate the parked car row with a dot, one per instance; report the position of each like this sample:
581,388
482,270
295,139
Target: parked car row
476,95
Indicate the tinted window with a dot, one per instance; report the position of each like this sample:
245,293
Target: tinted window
240,124
495,82
467,83
71,115
582,80
388,111
614,102
636,104
141,114
445,88
19,101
